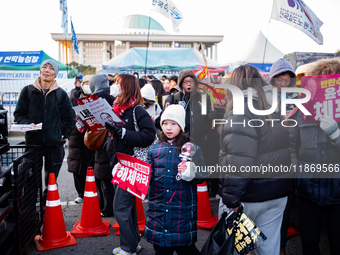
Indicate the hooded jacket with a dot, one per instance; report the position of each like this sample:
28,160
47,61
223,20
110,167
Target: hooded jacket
244,145
41,107
98,83
282,66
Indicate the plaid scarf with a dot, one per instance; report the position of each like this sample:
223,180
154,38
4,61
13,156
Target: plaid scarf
120,109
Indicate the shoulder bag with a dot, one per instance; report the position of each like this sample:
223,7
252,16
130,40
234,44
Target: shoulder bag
141,152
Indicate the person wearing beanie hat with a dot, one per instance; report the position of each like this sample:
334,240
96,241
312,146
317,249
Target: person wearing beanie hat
197,125
45,102
53,64
150,104
171,199
176,113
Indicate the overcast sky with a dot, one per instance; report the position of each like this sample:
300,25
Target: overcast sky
25,25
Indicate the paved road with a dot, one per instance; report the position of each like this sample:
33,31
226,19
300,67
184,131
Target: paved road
104,244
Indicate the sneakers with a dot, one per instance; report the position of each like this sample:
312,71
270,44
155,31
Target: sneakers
78,200
119,251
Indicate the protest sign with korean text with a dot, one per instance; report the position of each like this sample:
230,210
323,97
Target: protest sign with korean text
325,96
94,112
248,236
103,112
133,176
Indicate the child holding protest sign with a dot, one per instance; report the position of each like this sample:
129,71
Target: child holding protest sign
171,222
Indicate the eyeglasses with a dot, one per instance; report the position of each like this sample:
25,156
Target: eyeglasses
188,81
282,80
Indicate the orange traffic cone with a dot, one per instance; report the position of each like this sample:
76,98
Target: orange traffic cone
205,219
90,223
54,233
292,232
140,218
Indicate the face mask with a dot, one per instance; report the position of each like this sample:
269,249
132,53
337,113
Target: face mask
114,90
87,89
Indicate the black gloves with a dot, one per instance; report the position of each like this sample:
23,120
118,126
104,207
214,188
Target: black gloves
117,131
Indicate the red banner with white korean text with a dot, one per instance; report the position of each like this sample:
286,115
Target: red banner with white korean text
134,175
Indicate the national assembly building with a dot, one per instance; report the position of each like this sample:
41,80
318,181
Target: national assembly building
96,49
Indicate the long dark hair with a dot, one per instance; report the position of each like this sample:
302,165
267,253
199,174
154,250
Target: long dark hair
179,140
160,91
243,77
130,89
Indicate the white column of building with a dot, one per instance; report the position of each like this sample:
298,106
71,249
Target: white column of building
150,44
215,55
59,52
127,45
195,46
173,44
81,53
104,52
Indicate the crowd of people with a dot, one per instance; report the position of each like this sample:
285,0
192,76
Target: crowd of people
164,114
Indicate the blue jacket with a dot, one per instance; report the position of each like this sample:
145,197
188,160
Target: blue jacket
173,224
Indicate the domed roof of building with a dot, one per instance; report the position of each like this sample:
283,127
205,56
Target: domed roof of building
138,24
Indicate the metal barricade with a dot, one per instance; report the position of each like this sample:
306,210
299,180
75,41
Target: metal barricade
26,162
9,102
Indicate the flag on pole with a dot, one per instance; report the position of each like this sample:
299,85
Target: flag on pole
168,9
74,37
204,76
64,17
297,14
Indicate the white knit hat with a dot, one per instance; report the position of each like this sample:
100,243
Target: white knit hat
148,92
176,113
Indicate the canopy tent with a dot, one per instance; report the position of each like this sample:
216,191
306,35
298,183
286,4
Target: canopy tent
26,65
159,59
254,55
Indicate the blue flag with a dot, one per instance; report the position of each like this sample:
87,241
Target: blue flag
74,38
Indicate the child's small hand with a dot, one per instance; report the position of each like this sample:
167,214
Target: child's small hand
182,168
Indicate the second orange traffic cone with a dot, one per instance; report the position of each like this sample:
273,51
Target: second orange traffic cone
54,233
90,223
205,218
140,218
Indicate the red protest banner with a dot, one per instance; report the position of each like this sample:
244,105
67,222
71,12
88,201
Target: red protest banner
85,100
134,175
